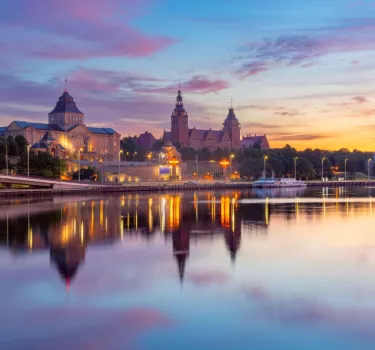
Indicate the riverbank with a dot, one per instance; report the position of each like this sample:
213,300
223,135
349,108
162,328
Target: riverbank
160,187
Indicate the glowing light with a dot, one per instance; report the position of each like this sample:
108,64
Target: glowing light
82,233
224,163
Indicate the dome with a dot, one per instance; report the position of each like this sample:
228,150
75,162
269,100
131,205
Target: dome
66,104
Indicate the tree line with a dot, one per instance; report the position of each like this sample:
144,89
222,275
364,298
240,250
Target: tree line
280,162
42,164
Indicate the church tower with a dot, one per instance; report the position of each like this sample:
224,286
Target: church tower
179,123
233,127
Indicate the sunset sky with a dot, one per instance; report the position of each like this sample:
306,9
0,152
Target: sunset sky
302,72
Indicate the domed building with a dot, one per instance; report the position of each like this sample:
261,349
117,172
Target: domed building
66,128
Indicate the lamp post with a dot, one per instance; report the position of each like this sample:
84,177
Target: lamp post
264,165
345,160
79,164
323,159
119,163
230,166
197,168
295,167
28,160
368,168
213,169
6,157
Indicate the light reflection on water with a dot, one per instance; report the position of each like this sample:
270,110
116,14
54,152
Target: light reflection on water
265,269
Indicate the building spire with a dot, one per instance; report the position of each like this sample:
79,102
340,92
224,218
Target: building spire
66,85
179,97
231,103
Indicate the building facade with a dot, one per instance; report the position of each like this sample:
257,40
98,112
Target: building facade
255,141
229,137
66,128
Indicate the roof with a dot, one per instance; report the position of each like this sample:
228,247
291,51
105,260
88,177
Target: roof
73,127
3,128
104,131
46,141
249,141
66,104
231,115
38,145
39,126
203,133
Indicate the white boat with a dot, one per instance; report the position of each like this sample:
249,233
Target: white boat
272,182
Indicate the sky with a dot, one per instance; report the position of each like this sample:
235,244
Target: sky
301,72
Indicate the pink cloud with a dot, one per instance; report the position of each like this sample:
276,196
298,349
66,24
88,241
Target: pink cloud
252,68
197,84
360,99
97,93
91,31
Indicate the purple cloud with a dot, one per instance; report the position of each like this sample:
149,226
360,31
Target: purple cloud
303,50
252,68
98,93
197,84
93,31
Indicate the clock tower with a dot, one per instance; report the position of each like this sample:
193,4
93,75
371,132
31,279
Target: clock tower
179,123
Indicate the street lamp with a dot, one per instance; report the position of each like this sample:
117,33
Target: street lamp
295,167
323,159
213,169
79,164
119,163
6,156
197,168
230,166
368,168
345,160
264,165
224,163
28,160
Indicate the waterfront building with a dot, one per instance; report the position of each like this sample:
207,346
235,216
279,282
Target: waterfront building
260,142
66,134
229,137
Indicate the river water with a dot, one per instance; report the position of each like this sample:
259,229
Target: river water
208,270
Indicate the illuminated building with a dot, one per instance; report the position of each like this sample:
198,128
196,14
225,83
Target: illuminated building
66,134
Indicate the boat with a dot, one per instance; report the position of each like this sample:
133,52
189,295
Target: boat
272,182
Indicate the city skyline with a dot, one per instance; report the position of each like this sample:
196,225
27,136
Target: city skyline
299,72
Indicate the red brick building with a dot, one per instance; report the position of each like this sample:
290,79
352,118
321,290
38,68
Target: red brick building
226,138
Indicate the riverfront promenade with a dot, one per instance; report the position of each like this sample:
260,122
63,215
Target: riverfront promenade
92,188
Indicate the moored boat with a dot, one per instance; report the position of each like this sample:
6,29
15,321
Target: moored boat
272,182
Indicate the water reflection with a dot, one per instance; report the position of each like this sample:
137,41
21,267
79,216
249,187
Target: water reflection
66,228
284,266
